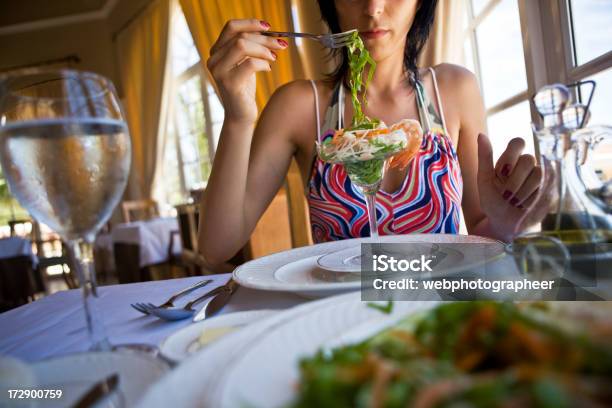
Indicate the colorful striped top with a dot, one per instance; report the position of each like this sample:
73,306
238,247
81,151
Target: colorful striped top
429,200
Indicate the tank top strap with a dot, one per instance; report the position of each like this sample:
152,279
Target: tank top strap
316,98
428,116
334,114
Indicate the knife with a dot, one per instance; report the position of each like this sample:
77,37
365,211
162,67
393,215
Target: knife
98,391
217,302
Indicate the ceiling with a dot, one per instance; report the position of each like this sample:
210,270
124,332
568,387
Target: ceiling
14,12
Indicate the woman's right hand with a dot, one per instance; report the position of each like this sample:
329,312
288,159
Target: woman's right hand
240,52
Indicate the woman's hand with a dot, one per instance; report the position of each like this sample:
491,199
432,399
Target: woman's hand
240,52
512,193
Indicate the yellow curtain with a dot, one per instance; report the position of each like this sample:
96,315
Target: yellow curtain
207,17
445,42
142,53
315,57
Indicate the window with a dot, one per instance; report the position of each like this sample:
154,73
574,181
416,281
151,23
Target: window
591,52
9,209
494,51
591,28
588,40
513,48
195,120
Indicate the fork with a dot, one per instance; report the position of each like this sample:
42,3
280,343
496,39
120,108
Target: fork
146,307
180,313
337,40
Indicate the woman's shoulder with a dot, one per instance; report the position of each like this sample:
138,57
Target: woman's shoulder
294,100
300,91
297,98
453,78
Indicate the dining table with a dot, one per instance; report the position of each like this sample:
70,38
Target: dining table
55,325
131,249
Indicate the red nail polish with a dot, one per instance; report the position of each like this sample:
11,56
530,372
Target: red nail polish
514,201
507,194
505,170
273,54
264,24
282,43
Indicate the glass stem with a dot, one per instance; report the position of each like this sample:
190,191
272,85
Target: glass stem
81,253
371,206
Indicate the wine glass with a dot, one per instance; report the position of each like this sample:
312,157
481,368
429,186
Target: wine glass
65,152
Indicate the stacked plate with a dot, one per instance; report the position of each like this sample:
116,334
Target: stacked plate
258,365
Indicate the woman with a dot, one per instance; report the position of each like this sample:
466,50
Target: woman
453,170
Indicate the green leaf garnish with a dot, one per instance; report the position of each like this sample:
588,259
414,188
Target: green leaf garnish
386,309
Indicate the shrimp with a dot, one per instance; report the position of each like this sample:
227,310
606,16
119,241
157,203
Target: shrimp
414,135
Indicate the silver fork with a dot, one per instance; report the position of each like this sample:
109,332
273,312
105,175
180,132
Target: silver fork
337,40
146,307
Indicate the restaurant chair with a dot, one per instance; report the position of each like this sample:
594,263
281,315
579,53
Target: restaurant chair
46,261
139,210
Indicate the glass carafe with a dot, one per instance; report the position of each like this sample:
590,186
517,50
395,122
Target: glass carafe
579,212
565,146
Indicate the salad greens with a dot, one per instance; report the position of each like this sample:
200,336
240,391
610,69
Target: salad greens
365,173
468,354
359,59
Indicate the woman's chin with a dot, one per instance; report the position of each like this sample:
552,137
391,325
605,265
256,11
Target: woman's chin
378,53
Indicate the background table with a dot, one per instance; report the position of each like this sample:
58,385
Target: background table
55,325
136,246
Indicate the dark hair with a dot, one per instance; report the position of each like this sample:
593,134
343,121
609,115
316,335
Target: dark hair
415,39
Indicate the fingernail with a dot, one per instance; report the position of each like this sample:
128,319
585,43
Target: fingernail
514,201
505,170
264,24
273,55
282,43
507,194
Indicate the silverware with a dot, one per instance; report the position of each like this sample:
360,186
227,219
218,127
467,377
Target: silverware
217,303
337,40
146,307
98,391
180,313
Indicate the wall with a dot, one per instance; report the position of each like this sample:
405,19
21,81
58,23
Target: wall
91,41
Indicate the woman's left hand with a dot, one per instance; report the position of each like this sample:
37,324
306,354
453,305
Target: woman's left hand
510,192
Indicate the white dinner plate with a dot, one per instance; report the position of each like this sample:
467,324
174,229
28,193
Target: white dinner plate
297,270
184,343
75,374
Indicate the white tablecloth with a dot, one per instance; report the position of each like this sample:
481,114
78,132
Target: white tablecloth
153,236
55,325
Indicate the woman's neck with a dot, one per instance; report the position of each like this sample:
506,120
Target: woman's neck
389,76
